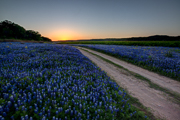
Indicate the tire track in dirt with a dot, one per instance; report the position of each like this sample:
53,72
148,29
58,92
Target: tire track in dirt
156,100
154,77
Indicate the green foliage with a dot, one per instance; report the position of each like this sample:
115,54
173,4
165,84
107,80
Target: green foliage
45,38
169,54
134,43
142,64
10,30
150,57
33,35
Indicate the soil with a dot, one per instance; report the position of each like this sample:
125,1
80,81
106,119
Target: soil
157,101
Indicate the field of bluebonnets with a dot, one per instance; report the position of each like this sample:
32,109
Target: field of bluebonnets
48,81
164,60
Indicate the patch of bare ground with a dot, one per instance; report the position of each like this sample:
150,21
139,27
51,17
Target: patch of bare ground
157,101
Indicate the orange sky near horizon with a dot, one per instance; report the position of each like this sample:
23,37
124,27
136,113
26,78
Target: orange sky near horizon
64,34
94,19
77,34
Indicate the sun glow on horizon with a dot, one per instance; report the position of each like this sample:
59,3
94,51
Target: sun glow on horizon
64,34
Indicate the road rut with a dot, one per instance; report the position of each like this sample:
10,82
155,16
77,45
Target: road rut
156,100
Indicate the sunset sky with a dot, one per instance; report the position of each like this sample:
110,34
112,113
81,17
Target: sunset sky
89,19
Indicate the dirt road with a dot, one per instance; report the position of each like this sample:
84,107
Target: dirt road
156,100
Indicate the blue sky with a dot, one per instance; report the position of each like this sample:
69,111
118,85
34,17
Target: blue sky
88,19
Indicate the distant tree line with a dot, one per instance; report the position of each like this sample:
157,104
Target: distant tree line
149,38
10,30
155,38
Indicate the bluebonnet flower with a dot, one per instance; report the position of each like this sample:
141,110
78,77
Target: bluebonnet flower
4,114
150,56
49,80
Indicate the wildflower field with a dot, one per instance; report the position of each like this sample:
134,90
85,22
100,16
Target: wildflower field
56,82
164,60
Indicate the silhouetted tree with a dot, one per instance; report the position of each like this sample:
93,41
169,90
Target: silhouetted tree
33,35
10,30
45,38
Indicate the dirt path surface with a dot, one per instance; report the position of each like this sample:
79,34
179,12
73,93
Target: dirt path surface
157,101
155,78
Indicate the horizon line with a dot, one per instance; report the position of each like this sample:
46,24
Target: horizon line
117,38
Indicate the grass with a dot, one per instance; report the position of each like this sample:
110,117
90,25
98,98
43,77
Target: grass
157,87
172,94
134,43
140,64
169,54
134,101
175,50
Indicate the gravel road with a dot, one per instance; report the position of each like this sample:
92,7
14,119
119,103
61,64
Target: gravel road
157,101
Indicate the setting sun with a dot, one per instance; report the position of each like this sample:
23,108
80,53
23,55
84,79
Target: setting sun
64,37
89,59
64,34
